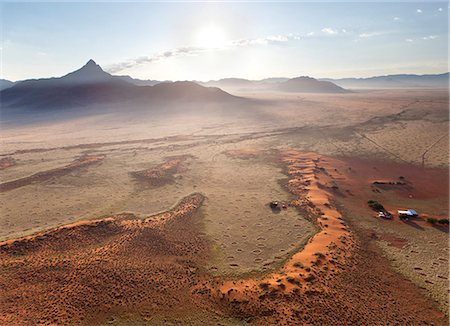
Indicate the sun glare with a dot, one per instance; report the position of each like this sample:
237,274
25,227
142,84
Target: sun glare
211,36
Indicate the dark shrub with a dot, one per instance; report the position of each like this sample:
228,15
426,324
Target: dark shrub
376,206
264,286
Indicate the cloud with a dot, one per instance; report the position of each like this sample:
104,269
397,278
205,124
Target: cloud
366,35
195,50
310,34
277,38
419,11
271,39
440,9
430,37
396,18
182,51
409,40
329,31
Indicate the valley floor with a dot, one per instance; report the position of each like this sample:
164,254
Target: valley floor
160,222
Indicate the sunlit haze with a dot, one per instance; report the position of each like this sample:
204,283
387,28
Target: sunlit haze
204,41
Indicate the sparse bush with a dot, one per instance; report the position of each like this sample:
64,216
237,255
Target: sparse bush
290,279
432,220
319,255
375,205
264,286
298,265
443,221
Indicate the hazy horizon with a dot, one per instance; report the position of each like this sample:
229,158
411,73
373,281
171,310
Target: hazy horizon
210,41
228,77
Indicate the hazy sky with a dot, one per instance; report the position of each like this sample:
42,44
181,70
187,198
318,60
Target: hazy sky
203,41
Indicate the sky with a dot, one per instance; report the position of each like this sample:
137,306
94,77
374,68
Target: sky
213,40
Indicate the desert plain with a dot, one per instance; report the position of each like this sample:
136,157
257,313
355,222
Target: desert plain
165,219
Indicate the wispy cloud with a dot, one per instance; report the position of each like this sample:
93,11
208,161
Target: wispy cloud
329,31
195,50
182,51
419,11
271,39
396,18
371,34
440,9
425,38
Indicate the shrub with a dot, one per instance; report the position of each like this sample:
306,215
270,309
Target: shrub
319,255
432,220
290,279
375,205
264,286
443,221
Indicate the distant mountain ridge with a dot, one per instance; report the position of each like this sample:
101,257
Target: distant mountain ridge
140,82
303,84
376,82
91,85
5,84
92,74
395,81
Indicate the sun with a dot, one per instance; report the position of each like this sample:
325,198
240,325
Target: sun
211,36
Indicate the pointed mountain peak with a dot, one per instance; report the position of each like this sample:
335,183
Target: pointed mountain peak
92,65
91,72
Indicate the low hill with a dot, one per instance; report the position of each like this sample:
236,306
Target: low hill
4,84
138,82
309,85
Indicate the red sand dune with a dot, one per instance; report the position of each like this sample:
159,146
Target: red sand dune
42,176
83,273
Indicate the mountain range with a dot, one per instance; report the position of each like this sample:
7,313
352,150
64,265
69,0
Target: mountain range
395,81
91,85
304,84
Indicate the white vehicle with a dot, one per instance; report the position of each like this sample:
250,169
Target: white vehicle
384,215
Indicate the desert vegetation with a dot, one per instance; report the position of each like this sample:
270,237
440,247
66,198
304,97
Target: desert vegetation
103,206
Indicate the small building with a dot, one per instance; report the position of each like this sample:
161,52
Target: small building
407,213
